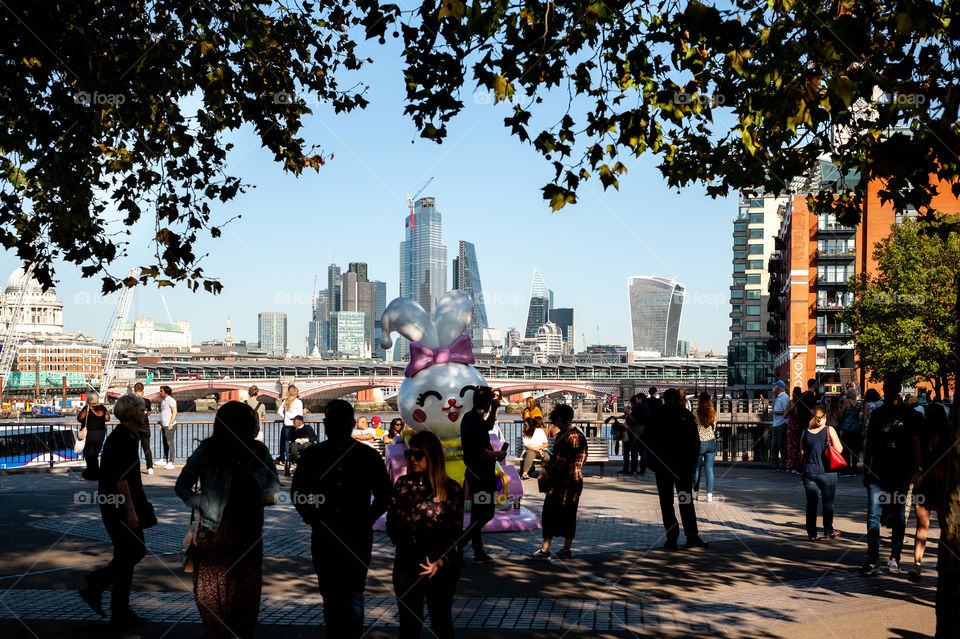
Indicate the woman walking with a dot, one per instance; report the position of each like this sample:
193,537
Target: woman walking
236,479
93,418
560,504
395,428
929,495
818,481
794,431
707,426
290,407
425,521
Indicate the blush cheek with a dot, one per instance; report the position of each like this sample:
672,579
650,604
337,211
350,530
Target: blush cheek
419,416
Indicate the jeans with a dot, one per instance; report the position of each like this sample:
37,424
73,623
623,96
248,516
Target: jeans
128,549
634,452
480,513
411,590
285,433
778,446
708,451
817,485
877,500
169,450
666,483
144,435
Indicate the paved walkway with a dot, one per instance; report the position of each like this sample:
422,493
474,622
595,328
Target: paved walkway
760,577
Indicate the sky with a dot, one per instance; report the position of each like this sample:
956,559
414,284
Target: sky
487,188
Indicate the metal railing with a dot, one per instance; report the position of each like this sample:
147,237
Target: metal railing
32,445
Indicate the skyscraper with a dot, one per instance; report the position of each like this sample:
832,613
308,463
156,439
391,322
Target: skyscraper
334,283
423,257
318,332
655,307
541,301
348,329
272,332
563,318
466,277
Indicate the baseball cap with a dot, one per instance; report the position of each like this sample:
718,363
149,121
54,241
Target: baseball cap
300,417
375,420
779,384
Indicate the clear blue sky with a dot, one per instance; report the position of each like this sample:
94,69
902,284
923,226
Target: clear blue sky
487,187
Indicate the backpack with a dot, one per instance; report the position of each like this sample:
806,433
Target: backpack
851,420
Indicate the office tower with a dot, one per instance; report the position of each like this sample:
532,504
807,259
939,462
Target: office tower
348,329
655,307
318,338
360,268
563,318
466,277
423,257
749,360
379,305
541,300
334,283
272,333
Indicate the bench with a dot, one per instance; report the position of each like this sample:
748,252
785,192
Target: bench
598,450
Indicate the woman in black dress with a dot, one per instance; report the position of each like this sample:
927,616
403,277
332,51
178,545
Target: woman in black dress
93,417
425,521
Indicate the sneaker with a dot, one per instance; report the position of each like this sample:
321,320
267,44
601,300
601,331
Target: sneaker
869,567
695,542
709,497
150,471
893,567
127,618
481,558
169,466
564,554
915,571
94,599
541,555
162,462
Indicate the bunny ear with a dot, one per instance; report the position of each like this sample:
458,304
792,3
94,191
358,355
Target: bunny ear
453,315
408,318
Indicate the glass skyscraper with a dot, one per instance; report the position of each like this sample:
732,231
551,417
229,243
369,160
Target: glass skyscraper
541,301
466,277
655,307
272,332
423,257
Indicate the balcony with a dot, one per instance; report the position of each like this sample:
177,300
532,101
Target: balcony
835,228
823,281
834,331
829,307
847,254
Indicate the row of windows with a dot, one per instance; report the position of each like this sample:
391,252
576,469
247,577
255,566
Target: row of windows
740,280
834,273
751,294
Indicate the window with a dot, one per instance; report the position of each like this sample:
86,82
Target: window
755,249
739,227
737,335
835,247
756,234
755,265
753,294
739,268
740,240
756,201
737,293
736,321
753,326
756,218
753,310
834,273
737,308
739,255
753,279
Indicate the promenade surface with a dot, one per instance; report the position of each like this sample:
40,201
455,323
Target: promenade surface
760,577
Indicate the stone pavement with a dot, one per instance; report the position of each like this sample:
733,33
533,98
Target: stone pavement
760,576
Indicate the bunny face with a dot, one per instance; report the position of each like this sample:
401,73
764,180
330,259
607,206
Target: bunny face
438,397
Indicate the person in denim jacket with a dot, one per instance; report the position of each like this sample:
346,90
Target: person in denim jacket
236,480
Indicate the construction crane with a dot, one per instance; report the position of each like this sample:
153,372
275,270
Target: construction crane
111,351
9,352
413,224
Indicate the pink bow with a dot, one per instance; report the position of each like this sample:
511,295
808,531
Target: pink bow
422,357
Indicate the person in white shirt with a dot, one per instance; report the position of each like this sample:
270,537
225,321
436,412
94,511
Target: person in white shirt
364,434
535,445
290,407
778,437
168,426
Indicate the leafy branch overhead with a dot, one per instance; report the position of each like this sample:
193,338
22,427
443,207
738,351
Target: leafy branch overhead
735,96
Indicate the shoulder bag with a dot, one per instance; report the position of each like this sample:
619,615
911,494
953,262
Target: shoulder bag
81,435
189,545
832,458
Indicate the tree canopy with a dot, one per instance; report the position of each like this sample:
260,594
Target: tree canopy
733,95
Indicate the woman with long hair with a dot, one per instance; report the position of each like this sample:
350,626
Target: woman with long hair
835,411
707,426
818,481
236,479
290,407
425,521
929,495
534,440
395,428
794,431
93,417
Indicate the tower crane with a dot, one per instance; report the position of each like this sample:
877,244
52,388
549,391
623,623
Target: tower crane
111,351
9,352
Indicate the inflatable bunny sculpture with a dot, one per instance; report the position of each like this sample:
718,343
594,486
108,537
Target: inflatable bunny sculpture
437,391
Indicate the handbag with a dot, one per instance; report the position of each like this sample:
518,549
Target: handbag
833,460
146,514
189,545
79,445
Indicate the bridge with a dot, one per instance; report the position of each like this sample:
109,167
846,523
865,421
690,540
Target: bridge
321,382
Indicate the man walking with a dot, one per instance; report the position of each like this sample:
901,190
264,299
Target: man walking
778,435
340,488
144,432
168,425
674,444
892,460
636,427
253,401
480,460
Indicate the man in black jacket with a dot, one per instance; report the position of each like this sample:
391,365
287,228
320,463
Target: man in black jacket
481,462
674,445
332,490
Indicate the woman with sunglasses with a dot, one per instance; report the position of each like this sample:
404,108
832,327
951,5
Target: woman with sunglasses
425,521
396,427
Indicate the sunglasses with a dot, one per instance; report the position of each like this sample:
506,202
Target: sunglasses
414,455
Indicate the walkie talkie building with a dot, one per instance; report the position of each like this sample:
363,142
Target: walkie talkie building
655,307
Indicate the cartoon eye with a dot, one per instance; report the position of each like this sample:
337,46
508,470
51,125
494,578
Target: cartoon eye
466,388
423,396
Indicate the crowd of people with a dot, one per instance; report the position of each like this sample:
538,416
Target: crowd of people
341,487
